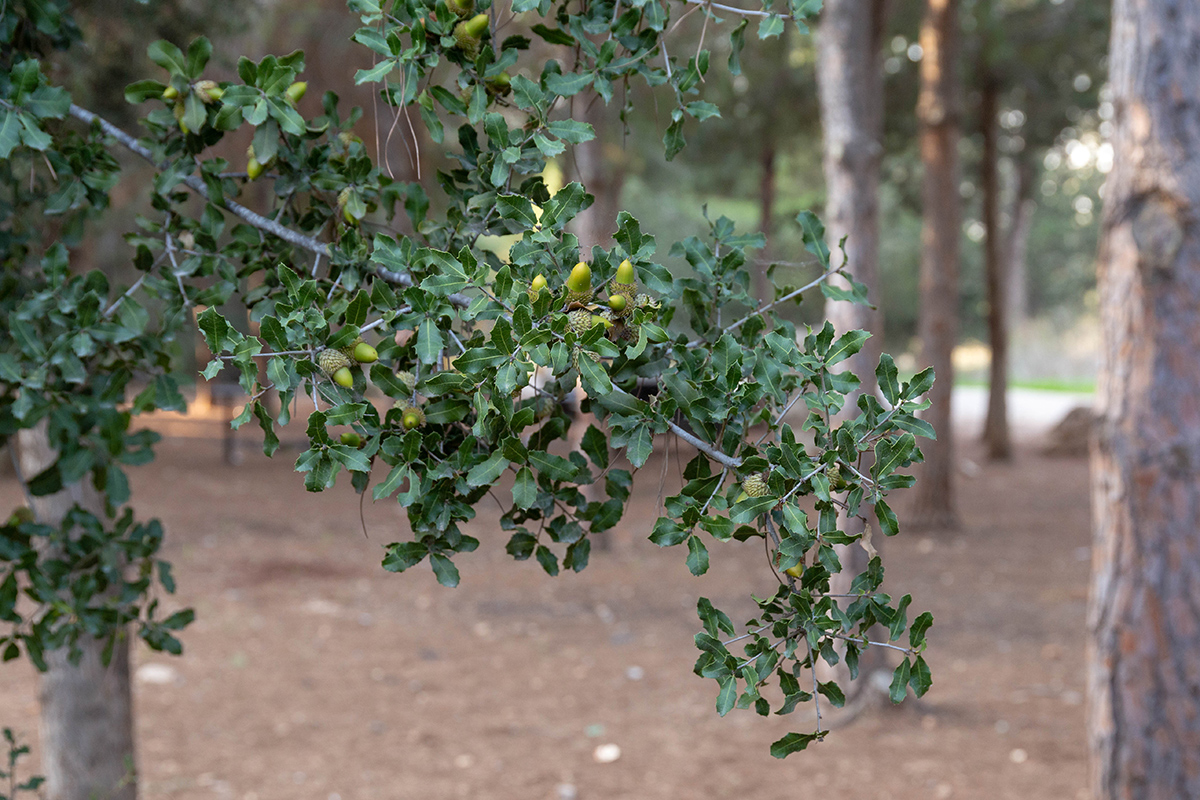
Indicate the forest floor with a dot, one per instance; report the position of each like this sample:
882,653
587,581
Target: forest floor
312,674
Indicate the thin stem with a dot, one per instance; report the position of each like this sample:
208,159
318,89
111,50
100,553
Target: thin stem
137,285
907,651
782,414
812,666
720,483
763,309
745,12
237,209
747,635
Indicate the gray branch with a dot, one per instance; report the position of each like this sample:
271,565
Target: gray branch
257,220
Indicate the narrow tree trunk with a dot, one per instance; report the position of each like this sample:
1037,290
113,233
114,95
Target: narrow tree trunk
934,503
850,90
766,212
1017,248
1144,617
995,429
601,175
86,709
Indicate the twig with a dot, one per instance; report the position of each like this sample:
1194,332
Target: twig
812,666
137,285
763,309
745,12
237,209
747,635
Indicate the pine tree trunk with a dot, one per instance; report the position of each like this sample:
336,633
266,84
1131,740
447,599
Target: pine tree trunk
86,709
850,90
766,212
602,175
934,505
1144,616
1016,250
995,429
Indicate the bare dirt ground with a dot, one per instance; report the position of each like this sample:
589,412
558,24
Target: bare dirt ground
312,673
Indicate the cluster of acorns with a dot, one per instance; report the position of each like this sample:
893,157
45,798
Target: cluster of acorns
755,485
336,363
581,312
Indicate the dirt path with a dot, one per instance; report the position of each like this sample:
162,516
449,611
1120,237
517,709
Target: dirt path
313,674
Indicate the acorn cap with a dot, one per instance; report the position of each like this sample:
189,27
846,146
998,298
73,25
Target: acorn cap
331,360
755,485
580,321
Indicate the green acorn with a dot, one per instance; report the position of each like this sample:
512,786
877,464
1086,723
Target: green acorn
351,439
579,285
536,286
296,91
755,485
619,304
412,417
470,33
626,281
208,91
360,351
462,8
499,86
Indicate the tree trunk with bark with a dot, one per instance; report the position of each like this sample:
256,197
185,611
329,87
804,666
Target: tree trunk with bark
602,175
995,428
850,91
766,212
1144,616
1016,248
934,505
86,709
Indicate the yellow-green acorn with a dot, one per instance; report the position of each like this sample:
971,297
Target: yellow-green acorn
470,33
579,284
536,286
755,485
365,353
296,91
170,93
461,8
618,303
413,417
179,111
208,91
343,377
360,351
796,571
626,280
351,439
254,168
499,85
